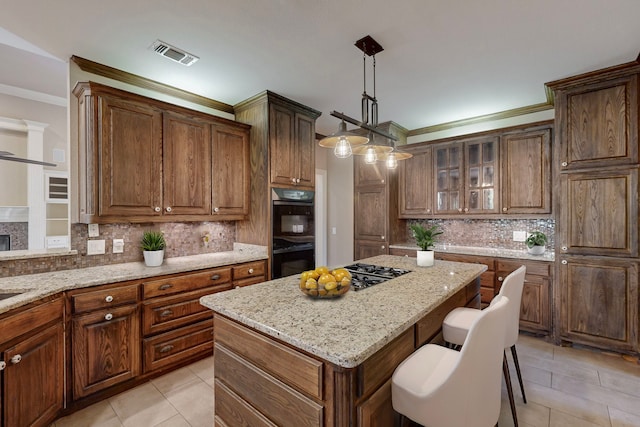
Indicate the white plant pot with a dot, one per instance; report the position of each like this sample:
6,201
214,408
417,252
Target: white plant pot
153,258
536,250
425,258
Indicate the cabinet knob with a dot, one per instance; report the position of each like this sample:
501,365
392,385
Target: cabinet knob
459,209
500,279
3,365
216,209
109,298
168,208
504,209
215,277
564,164
564,262
165,286
166,313
251,271
166,348
382,247
564,248
108,316
382,181
293,180
157,209
428,210
466,209
16,359
382,237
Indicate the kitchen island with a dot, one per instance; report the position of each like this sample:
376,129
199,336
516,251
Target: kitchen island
282,358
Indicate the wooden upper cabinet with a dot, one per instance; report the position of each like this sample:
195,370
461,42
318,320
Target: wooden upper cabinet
292,147
597,121
414,185
129,158
231,172
368,174
142,160
371,205
186,165
526,172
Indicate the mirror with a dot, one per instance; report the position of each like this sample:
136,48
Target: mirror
34,199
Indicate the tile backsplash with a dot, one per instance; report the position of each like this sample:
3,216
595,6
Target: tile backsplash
493,233
190,238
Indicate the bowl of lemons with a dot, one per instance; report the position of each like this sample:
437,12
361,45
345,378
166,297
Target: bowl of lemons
325,283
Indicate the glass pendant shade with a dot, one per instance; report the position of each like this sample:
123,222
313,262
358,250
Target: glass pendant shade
370,155
391,161
332,140
343,148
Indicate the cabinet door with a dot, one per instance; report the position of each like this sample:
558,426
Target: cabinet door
535,309
371,214
230,171
129,158
186,165
599,302
447,164
33,379
366,249
377,410
367,175
526,172
282,151
305,151
482,176
599,213
414,195
598,124
105,349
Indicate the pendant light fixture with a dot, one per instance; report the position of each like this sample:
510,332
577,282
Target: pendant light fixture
378,145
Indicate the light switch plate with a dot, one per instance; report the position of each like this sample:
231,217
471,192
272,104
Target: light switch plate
95,247
519,236
118,246
94,230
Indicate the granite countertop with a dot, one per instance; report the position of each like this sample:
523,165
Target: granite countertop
36,286
482,251
346,330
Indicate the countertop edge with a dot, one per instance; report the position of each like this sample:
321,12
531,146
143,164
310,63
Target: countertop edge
547,256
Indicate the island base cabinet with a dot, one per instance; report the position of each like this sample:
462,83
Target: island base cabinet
33,379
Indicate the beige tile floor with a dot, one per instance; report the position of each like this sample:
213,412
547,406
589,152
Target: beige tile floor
565,387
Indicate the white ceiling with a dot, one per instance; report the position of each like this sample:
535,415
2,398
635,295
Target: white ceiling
444,60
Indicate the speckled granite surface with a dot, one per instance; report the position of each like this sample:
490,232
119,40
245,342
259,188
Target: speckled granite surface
349,329
486,251
35,286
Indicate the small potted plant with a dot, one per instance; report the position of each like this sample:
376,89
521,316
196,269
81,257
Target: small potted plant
425,239
536,242
153,245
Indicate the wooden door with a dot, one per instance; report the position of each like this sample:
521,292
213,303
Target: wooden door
599,213
482,176
526,172
599,302
230,171
371,214
414,192
306,151
282,145
448,184
129,158
105,349
186,165
34,379
598,124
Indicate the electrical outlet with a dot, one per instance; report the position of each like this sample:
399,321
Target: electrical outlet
118,246
95,247
519,236
94,230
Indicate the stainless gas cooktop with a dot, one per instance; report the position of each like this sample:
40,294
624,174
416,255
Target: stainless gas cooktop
366,275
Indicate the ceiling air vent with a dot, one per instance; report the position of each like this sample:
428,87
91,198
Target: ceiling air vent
173,53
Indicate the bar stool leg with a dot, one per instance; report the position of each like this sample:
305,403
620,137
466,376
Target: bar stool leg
507,380
514,353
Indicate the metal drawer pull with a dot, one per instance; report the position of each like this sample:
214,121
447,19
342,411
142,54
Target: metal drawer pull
109,298
166,313
108,316
3,364
166,348
165,286
215,277
251,271
16,359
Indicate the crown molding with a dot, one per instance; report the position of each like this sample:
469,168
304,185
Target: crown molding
143,82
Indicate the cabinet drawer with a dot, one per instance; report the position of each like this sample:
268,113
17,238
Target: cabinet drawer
535,268
31,319
185,282
178,345
489,262
104,298
162,314
486,294
232,410
249,281
249,269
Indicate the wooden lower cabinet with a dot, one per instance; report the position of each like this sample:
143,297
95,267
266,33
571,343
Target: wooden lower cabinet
599,302
33,379
487,279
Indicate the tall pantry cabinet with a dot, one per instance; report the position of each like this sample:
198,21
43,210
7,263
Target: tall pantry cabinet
596,184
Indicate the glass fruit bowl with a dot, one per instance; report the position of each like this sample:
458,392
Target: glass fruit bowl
322,283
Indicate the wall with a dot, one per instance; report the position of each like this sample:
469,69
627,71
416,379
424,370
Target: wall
340,210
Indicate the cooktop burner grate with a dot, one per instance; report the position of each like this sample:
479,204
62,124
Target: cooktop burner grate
366,275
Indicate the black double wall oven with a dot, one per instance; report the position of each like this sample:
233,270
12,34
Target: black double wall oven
293,231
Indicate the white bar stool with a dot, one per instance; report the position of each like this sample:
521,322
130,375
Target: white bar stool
458,322
441,387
